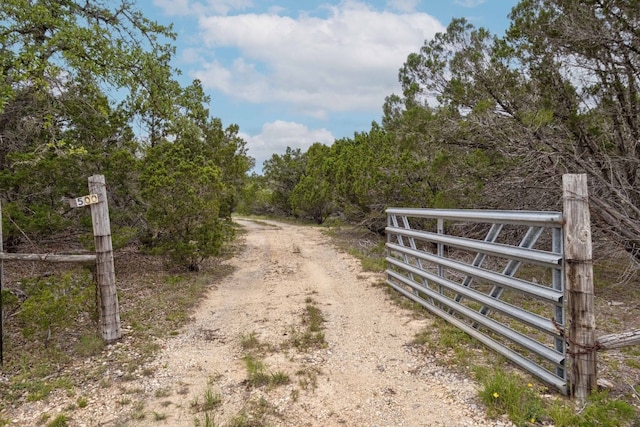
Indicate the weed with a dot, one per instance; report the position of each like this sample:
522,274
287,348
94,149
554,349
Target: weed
54,302
55,326
313,318
424,337
240,420
89,345
633,363
255,371
195,403
606,412
158,416
208,421
60,420
250,341
600,410
306,341
254,414
147,372
562,414
37,389
368,247
312,336
213,378
308,378
138,411
450,336
82,402
278,378
506,393
162,392
124,401
257,375
211,400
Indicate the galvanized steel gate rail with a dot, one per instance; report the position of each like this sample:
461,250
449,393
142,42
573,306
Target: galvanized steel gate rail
502,290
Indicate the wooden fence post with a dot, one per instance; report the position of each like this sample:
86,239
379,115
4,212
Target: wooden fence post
579,285
1,287
105,270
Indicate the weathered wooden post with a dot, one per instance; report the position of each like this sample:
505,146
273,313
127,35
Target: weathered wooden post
105,270
579,285
1,287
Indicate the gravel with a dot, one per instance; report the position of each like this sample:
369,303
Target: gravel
369,373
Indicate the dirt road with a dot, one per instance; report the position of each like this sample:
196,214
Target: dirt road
367,373
366,376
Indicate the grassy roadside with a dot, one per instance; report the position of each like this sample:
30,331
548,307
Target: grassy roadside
507,391
42,350
51,342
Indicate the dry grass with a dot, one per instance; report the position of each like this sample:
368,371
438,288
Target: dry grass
155,301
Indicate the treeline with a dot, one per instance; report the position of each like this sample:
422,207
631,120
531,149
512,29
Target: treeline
87,88
482,122
490,122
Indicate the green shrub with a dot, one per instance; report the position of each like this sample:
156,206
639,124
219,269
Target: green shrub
53,303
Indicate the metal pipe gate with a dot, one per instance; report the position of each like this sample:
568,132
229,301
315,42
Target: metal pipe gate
505,287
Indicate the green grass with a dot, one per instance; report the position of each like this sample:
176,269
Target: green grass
250,342
257,375
255,413
601,410
162,392
61,420
503,392
56,324
313,318
89,345
208,420
311,335
211,400
367,247
82,402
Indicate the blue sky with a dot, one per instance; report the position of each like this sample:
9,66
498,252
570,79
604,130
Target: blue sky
294,72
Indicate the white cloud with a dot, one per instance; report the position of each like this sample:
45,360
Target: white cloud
198,8
469,3
276,136
403,5
347,61
190,56
173,7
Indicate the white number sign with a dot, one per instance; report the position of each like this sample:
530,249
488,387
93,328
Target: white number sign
79,202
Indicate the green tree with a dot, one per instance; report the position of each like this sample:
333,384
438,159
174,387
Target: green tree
61,60
312,196
283,172
56,122
191,184
557,94
584,63
255,196
182,189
